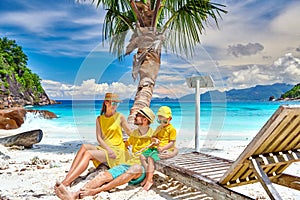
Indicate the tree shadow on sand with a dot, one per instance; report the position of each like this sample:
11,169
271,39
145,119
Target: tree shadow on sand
69,147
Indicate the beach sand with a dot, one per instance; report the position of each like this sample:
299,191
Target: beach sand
32,173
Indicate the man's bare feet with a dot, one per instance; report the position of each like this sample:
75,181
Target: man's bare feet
62,192
148,185
84,192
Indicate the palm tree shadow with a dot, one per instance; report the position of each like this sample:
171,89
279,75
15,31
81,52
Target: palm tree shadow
69,147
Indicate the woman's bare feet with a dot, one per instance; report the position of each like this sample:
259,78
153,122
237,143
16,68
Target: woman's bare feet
62,192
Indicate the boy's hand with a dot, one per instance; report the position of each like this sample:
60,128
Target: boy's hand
155,141
160,149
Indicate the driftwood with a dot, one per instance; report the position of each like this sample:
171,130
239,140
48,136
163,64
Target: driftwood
26,139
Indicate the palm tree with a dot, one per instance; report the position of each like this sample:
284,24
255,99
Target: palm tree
150,22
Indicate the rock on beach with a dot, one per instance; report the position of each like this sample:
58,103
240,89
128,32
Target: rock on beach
13,118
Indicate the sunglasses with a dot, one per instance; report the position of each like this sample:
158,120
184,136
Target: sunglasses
139,115
115,103
165,121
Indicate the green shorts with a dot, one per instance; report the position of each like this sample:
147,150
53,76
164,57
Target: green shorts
121,169
151,152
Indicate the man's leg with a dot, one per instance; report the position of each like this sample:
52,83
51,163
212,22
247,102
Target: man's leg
99,180
133,172
92,187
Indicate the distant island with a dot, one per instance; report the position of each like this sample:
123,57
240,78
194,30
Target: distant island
292,94
277,91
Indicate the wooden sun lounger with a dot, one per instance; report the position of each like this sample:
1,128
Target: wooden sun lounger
271,151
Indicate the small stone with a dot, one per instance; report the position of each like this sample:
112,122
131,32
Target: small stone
6,157
4,166
55,164
40,167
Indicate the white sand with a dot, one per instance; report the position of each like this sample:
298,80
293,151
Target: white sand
21,179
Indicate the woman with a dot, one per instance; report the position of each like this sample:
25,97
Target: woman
111,147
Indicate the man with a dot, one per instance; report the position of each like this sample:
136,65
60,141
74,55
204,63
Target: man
129,172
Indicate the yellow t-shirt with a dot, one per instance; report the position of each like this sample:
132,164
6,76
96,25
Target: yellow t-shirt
113,137
138,143
165,134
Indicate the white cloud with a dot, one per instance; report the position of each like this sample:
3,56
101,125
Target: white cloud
33,21
284,70
88,89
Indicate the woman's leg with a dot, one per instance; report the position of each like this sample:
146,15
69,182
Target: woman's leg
79,156
81,162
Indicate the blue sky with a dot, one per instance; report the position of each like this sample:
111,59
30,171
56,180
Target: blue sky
258,42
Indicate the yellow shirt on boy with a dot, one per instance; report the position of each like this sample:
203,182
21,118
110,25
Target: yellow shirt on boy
165,134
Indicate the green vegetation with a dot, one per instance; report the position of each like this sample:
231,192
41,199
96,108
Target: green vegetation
293,93
13,70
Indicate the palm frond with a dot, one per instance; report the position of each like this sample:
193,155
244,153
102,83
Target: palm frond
115,28
185,24
122,6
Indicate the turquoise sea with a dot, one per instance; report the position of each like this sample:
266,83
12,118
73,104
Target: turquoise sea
218,121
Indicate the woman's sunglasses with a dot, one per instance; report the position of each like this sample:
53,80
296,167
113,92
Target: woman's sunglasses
115,103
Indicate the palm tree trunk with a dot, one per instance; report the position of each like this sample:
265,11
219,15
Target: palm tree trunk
146,62
147,71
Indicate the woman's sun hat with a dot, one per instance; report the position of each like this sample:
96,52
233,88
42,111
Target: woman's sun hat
164,111
148,113
112,97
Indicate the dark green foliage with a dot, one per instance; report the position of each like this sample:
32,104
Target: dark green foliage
13,67
293,93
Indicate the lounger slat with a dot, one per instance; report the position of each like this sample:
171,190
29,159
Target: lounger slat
275,137
288,137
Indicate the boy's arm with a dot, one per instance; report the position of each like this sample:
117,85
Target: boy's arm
166,147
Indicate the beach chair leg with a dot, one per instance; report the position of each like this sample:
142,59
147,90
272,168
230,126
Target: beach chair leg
264,180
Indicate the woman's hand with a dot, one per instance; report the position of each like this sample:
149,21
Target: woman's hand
111,154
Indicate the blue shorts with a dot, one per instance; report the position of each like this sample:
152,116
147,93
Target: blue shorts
118,170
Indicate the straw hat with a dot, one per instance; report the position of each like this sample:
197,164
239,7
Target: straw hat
148,113
112,97
164,111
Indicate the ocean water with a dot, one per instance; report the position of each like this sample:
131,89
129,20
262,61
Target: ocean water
218,121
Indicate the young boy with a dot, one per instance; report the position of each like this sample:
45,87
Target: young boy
163,139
